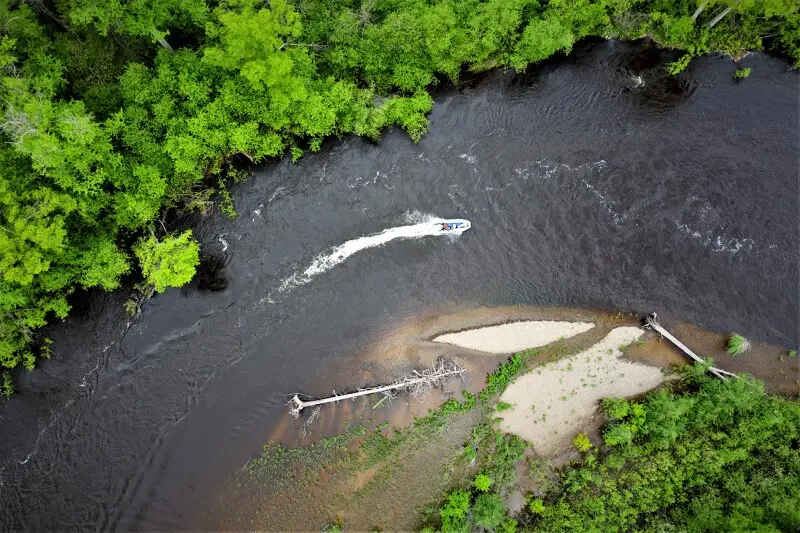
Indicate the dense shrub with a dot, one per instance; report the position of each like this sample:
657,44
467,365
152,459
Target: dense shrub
713,456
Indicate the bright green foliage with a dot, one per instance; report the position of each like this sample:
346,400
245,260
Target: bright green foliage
676,67
332,527
137,17
715,456
7,386
252,42
503,453
628,420
168,263
582,443
482,482
737,345
536,506
454,512
792,353
489,510
742,73
541,39
497,380
508,525
469,453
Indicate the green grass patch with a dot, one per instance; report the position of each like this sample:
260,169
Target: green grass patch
278,463
737,345
503,406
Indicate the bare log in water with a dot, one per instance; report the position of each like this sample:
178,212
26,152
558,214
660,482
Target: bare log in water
651,321
418,384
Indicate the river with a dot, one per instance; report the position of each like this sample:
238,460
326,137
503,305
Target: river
591,181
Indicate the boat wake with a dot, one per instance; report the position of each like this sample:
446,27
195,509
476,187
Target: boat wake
426,225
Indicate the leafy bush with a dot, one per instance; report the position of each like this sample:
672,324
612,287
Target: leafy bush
168,263
332,527
509,525
489,510
503,453
737,345
482,482
582,443
536,506
454,512
469,453
742,73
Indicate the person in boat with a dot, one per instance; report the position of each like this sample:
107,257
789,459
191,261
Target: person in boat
445,226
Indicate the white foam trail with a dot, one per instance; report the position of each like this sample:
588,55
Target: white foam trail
338,254
719,243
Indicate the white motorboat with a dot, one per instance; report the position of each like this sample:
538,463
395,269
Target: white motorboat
454,225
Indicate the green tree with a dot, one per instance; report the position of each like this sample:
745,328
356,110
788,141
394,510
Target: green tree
258,43
454,512
139,18
168,263
102,132
541,39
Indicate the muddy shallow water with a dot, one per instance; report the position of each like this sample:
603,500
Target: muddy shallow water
678,196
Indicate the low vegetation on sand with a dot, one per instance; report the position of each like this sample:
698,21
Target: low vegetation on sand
698,454
118,113
706,455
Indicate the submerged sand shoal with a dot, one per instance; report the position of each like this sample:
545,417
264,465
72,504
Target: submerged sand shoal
516,336
553,403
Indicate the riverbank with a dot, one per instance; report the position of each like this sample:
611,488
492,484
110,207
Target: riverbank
385,474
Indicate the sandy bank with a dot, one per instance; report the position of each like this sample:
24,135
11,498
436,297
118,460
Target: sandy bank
514,337
553,403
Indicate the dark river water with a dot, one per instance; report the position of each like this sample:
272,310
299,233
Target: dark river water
591,181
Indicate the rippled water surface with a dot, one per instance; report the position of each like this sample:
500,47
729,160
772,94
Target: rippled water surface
591,181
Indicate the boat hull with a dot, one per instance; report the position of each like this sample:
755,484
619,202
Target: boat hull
454,225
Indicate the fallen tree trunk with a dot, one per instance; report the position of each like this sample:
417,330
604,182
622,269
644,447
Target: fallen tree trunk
722,15
417,383
651,321
699,10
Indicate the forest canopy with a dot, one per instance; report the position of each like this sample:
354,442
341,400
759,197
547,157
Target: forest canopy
116,112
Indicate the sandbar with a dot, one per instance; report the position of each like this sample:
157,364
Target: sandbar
515,336
553,403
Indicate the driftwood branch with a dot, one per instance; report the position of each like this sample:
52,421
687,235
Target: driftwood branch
418,384
651,321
